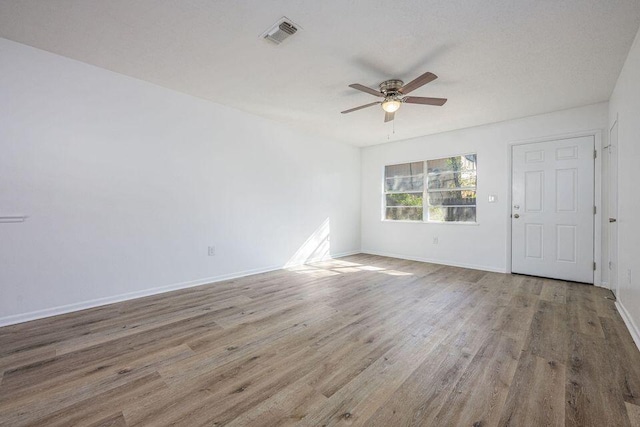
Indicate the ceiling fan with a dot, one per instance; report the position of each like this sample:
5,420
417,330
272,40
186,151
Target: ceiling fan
394,93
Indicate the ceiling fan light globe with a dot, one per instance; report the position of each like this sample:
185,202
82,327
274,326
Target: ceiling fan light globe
391,105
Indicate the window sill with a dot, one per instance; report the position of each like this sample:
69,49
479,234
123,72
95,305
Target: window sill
430,222
452,223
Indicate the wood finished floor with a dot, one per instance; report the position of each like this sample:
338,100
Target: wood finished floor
363,340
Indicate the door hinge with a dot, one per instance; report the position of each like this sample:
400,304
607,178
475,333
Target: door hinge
595,210
594,266
595,154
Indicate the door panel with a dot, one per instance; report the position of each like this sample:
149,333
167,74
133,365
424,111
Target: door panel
566,190
552,212
534,236
534,191
566,243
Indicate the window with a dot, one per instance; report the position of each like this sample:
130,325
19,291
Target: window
451,191
448,195
404,191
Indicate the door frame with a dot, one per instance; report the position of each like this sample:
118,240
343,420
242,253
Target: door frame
609,285
597,194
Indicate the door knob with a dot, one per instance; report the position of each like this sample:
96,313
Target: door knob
612,220
516,216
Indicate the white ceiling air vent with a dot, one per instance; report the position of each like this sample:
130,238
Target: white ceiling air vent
280,30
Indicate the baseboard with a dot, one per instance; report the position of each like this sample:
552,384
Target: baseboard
322,258
55,311
69,308
435,261
628,320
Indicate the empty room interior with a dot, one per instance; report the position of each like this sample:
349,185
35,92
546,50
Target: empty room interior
279,213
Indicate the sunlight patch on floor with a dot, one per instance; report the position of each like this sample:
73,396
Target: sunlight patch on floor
313,258
316,248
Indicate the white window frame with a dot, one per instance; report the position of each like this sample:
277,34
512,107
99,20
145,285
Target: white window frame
425,193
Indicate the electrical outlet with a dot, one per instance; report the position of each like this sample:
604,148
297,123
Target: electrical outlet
211,251
435,240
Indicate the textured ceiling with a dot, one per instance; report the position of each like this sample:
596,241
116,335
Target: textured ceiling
496,60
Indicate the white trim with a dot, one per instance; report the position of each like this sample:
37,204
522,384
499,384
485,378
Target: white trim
69,308
628,320
614,287
454,222
434,261
597,217
347,253
321,258
427,159
597,188
408,221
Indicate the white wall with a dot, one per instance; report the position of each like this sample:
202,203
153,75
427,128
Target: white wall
483,246
625,105
126,184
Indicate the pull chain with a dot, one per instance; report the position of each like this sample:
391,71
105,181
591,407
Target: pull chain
393,131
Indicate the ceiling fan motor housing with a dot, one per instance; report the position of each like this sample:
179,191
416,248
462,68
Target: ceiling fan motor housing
389,87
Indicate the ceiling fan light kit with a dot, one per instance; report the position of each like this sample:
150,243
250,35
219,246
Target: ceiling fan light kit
391,105
394,92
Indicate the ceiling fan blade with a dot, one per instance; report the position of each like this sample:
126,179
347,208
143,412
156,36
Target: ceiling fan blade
425,101
367,90
416,83
389,116
360,107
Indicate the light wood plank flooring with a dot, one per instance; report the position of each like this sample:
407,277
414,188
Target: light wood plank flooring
362,340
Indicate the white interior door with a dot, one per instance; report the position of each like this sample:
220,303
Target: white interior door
552,209
613,208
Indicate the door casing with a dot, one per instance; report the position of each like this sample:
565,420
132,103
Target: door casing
597,195
612,201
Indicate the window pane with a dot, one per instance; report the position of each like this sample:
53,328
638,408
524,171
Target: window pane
404,177
404,184
452,214
404,213
404,199
452,164
452,180
405,169
452,198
